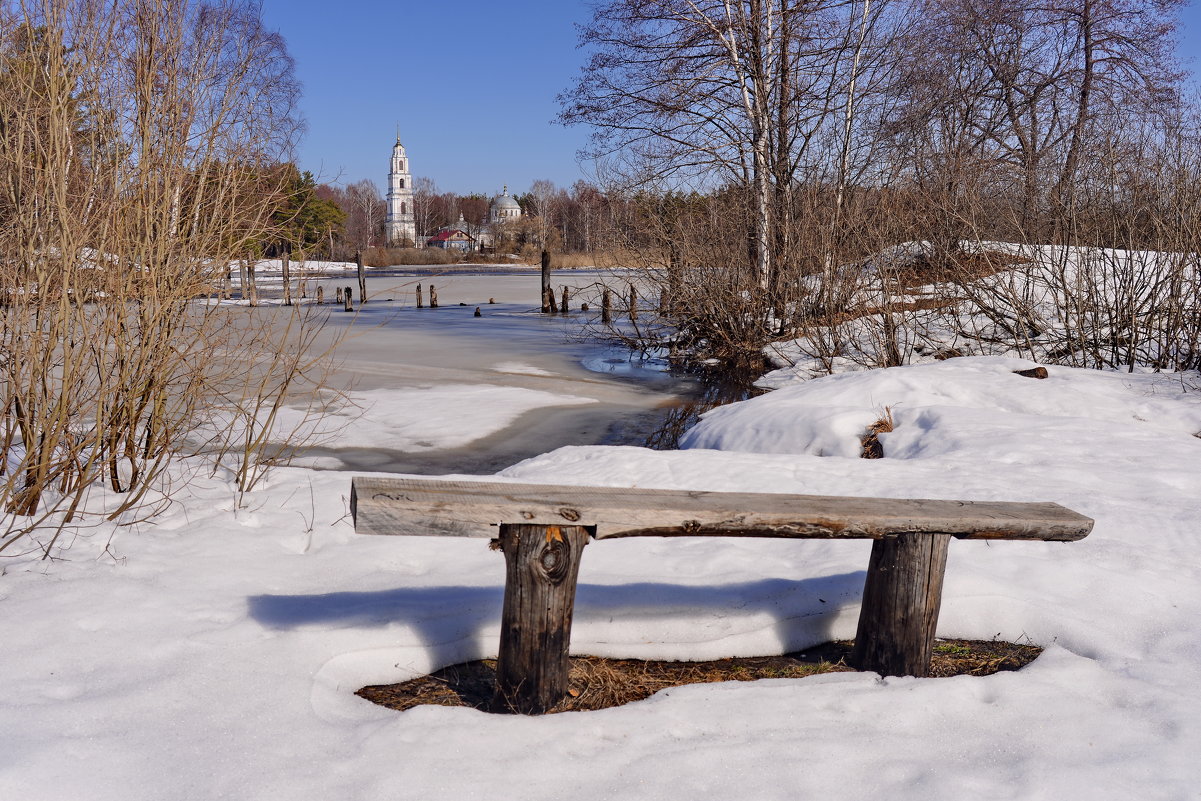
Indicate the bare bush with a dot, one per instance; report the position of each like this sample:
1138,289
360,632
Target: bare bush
138,141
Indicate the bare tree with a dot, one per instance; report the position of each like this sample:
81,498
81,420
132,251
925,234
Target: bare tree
365,223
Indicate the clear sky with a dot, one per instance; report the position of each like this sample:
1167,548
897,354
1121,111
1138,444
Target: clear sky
472,85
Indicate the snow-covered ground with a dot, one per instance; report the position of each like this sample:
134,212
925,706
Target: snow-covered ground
214,654
1085,306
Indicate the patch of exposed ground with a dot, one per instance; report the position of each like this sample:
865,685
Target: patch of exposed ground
599,683
924,270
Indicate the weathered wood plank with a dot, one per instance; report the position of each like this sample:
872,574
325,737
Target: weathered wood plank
472,509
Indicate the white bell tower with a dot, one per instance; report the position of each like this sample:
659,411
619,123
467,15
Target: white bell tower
401,223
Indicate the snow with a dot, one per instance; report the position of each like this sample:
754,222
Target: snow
214,654
1088,306
423,418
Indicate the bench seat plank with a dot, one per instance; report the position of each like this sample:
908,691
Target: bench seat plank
436,507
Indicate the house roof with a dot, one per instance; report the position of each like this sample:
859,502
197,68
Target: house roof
449,233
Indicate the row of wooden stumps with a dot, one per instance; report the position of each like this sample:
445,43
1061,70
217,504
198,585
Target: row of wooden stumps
901,599
548,293
433,297
549,306
343,295
607,304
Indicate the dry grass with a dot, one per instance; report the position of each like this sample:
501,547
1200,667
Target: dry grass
872,447
926,270
599,683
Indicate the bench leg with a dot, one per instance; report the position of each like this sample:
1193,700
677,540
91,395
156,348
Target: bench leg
901,597
541,566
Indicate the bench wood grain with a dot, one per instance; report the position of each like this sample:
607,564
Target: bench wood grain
474,509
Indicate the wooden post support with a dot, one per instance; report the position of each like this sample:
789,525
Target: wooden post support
541,566
320,295
420,304
564,308
287,276
347,299
901,598
547,307
548,302
433,297
606,306
633,303
358,260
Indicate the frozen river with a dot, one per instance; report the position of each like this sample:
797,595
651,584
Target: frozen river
393,345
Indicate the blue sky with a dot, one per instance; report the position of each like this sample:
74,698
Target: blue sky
472,85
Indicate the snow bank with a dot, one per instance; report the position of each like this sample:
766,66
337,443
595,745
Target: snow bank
214,654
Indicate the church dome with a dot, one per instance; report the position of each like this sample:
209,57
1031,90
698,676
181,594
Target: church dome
505,201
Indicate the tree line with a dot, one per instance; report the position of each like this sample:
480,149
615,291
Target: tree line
776,144
554,218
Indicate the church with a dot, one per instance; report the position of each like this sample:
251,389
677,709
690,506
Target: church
400,226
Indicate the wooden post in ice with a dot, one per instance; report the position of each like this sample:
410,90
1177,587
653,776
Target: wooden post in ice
675,281
252,284
901,597
320,295
547,302
542,564
564,308
286,263
433,297
420,302
550,301
347,299
633,303
606,306
337,294
358,260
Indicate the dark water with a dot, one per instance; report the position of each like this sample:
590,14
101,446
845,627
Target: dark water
661,429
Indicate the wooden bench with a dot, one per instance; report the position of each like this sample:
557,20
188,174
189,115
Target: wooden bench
543,529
